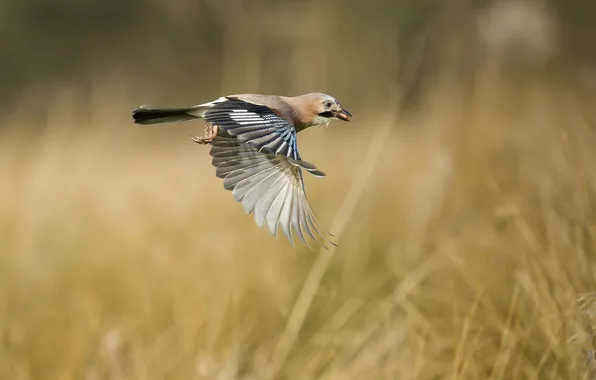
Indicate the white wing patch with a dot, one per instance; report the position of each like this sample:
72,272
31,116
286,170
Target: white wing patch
244,117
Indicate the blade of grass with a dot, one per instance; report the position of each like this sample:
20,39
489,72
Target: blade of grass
319,267
340,222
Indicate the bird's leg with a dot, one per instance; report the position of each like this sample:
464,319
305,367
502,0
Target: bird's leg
210,135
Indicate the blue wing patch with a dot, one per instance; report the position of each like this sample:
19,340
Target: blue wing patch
255,125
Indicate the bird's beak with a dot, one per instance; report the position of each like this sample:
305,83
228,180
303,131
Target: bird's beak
343,115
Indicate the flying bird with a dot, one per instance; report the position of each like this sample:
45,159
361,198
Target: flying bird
255,152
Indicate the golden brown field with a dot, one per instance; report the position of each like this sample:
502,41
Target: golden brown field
466,231
468,255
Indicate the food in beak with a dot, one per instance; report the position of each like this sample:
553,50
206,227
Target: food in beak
343,115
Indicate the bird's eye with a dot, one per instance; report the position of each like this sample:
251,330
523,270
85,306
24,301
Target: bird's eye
328,104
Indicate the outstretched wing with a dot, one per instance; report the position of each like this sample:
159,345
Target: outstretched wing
255,125
269,185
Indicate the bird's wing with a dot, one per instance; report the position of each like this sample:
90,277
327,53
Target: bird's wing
269,185
257,125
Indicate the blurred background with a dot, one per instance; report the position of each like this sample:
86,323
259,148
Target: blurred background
463,190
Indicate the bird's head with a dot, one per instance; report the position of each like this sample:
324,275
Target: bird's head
316,109
327,108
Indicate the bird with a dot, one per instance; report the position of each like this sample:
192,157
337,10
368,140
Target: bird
253,139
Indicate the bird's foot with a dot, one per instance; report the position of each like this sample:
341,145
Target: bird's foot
210,135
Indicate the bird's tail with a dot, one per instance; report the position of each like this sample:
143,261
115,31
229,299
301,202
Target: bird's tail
158,115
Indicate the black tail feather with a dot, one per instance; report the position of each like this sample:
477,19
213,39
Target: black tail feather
156,115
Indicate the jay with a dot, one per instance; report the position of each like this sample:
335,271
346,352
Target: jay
255,152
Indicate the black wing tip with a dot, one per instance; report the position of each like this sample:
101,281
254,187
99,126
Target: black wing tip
335,245
320,240
317,173
330,241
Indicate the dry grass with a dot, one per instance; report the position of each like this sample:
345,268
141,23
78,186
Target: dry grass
470,254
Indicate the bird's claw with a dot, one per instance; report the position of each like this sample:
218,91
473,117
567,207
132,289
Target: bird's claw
210,135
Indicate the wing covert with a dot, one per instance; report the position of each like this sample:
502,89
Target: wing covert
255,125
